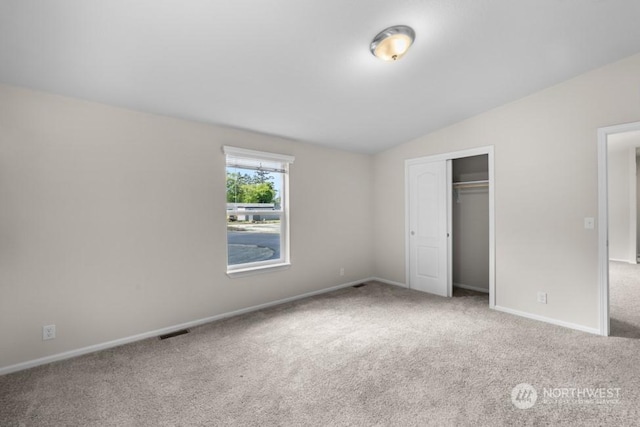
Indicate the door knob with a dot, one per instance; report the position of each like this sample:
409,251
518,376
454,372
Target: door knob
413,233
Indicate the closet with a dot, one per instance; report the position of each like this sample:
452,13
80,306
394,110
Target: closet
470,223
449,223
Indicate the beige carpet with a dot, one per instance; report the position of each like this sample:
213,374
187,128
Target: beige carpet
624,300
374,355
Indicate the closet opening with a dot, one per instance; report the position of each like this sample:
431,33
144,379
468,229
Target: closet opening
449,224
470,226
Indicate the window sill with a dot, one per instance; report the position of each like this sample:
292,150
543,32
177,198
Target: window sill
251,271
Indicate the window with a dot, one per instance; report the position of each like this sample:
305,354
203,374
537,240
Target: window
257,210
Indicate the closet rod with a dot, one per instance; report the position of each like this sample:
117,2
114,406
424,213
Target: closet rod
471,184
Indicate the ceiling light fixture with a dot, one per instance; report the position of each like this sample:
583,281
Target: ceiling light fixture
391,44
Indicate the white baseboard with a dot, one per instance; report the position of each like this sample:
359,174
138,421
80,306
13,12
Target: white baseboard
569,325
121,341
623,260
115,343
471,288
388,282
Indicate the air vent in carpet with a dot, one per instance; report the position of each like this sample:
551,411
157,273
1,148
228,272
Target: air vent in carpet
359,285
174,334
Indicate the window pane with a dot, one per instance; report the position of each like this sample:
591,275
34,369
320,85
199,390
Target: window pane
249,241
254,186
253,237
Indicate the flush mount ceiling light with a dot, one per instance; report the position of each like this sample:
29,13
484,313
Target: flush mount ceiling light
391,44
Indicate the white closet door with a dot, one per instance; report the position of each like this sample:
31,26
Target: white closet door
428,227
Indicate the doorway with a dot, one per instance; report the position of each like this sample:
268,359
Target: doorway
434,217
618,199
470,224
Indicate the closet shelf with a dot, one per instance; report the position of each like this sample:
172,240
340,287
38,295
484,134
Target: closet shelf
471,184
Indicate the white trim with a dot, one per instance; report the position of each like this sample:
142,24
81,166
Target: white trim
603,236
622,260
449,228
492,229
250,268
508,310
407,225
254,154
489,151
633,204
252,271
255,212
389,282
133,338
603,223
547,320
478,151
471,288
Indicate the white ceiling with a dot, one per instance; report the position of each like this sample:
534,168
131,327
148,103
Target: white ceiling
302,68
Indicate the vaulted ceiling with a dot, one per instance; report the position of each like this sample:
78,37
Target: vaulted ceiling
302,69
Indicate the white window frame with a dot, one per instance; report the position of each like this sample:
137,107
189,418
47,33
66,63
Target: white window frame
284,261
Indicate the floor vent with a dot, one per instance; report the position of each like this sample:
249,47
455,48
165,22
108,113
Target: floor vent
174,334
359,285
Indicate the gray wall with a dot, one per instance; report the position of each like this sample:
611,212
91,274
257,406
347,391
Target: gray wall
545,185
112,223
473,168
622,200
622,189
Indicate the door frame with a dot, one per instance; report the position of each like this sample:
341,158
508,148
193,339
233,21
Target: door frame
489,151
603,221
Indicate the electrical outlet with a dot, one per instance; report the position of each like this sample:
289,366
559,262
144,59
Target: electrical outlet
542,297
342,271
589,223
48,332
